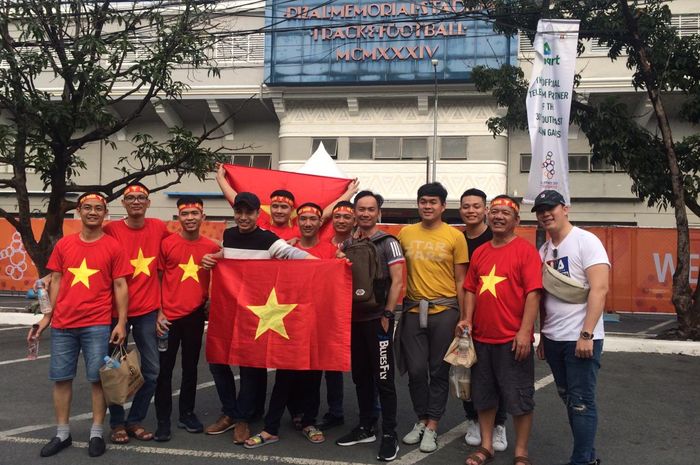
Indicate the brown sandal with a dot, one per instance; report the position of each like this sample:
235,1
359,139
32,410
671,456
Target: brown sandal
521,459
139,432
476,456
119,435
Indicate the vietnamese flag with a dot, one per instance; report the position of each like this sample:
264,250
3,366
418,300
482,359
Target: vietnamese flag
289,314
322,190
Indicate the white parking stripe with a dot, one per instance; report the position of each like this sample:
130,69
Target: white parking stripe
15,327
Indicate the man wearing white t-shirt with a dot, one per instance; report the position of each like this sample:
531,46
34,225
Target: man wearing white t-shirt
572,334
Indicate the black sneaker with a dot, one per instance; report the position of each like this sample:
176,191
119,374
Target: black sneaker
359,435
55,446
96,446
162,432
389,448
190,423
329,421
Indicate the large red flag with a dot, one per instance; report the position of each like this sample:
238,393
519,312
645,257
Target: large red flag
291,314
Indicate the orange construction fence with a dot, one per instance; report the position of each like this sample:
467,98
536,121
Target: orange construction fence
643,261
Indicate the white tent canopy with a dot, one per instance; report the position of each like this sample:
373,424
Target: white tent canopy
321,164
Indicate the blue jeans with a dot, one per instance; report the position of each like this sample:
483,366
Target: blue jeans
66,345
576,382
143,328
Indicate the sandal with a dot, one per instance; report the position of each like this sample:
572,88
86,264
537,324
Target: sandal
258,440
119,435
314,434
139,432
521,459
480,456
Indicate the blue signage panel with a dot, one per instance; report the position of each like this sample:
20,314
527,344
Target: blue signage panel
335,42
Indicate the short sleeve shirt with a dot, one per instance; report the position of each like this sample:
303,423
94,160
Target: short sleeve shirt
86,292
431,255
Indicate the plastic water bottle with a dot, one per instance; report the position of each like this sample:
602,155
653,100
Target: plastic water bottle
33,344
163,339
111,363
43,297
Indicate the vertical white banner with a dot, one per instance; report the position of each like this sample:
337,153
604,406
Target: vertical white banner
549,105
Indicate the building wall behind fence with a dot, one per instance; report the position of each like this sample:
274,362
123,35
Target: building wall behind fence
642,261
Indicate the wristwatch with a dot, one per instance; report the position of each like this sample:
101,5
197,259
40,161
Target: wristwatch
388,314
586,335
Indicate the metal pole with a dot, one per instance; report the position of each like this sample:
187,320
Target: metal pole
435,119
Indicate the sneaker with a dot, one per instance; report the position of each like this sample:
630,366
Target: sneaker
359,435
500,442
428,442
162,432
96,446
223,424
473,436
190,423
329,421
389,448
415,435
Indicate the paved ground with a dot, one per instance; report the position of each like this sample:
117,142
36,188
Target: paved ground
648,404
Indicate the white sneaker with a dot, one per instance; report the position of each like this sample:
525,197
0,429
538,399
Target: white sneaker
500,443
473,436
415,435
429,441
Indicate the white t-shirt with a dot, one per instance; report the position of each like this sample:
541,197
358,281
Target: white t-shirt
577,252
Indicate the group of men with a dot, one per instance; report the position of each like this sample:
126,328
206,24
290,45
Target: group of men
486,280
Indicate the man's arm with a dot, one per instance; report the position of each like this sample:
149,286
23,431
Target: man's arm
522,342
209,260
121,301
282,250
460,270
347,195
466,313
229,193
392,298
53,282
598,279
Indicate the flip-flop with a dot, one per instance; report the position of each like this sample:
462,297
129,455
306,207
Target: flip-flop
258,440
314,434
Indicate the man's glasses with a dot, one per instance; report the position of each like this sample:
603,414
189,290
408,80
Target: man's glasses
135,198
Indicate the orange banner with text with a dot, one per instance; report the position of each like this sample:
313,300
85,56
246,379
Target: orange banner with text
643,261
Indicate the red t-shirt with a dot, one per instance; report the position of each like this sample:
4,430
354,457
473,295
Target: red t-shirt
185,283
327,232
324,249
86,290
283,232
142,248
501,278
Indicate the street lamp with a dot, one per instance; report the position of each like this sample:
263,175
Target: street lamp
435,62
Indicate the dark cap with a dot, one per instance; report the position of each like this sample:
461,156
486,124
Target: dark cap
247,199
549,199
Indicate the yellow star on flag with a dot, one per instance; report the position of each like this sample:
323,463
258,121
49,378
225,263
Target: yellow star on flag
489,282
140,264
266,209
82,274
189,270
271,315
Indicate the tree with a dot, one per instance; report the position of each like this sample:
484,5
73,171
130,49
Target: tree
665,173
88,47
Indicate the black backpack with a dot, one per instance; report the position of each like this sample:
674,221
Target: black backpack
370,286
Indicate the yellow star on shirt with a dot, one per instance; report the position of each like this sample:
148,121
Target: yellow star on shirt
489,282
189,270
271,315
82,274
140,264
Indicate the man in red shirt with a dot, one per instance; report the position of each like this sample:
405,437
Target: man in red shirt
88,272
185,286
502,298
141,238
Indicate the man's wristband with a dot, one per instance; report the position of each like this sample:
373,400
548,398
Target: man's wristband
388,314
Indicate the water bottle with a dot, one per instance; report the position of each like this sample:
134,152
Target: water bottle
111,363
43,297
33,344
163,339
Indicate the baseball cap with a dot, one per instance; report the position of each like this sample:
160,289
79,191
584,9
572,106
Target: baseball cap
247,199
548,198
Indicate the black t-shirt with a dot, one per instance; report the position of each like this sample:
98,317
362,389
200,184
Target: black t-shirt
473,244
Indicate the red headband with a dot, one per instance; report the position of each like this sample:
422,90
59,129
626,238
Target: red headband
135,188
279,198
507,203
93,197
198,206
344,209
309,209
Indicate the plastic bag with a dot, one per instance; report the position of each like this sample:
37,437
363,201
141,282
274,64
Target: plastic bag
461,351
460,382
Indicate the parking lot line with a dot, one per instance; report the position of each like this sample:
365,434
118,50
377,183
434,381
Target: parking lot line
23,359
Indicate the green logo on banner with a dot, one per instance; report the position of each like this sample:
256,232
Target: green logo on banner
547,49
548,59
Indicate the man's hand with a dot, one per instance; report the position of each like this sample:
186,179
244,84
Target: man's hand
210,259
461,326
43,324
540,350
521,345
584,348
162,324
385,324
118,334
293,241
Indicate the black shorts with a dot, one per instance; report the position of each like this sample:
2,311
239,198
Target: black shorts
497,372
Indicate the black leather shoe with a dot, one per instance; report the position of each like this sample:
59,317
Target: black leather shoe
55,446
96,446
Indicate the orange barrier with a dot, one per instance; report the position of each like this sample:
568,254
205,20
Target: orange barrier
643,261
